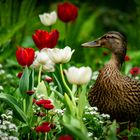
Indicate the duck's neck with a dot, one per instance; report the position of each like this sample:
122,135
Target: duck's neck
116,61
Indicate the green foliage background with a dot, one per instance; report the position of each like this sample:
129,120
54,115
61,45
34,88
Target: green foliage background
19,20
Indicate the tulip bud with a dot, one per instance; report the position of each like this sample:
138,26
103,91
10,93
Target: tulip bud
48,79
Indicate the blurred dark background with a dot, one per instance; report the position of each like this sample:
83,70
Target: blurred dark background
19,19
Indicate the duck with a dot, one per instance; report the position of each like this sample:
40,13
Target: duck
114,93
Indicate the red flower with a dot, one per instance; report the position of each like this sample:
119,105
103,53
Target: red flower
44,39
48,79
127,58
65,137
19,74
135,71
25,56
48,106
67,12
42,102
43,128
46,123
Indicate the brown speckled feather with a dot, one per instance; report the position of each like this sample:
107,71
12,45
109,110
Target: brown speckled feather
116,94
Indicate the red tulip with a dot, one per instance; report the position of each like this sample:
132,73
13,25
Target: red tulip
67,12
135,71
44,39
65,137
25,56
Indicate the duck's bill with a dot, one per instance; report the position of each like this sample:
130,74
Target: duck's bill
91,44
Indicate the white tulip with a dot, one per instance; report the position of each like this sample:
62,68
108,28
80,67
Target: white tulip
43,59
60,55
48,19
49,67
78,76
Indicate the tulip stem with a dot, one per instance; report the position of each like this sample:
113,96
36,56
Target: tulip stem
39,74
66,30
65,84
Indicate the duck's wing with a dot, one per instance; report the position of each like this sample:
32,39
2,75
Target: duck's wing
132,85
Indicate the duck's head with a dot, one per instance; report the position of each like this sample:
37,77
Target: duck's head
114,41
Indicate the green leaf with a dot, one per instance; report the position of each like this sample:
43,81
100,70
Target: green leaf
6,35
24,82
81,103
112,131
29,109
69,104
58,83
14,104
77,133
41,89
31,80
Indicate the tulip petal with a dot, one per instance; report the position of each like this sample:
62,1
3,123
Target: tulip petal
25,56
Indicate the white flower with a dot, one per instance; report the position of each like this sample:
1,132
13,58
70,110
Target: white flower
60,55
6,122
105,116
13,138
90,134
95,75
42,56
12,127
59,111
78,76
93,113
43,59
48,19
2,72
